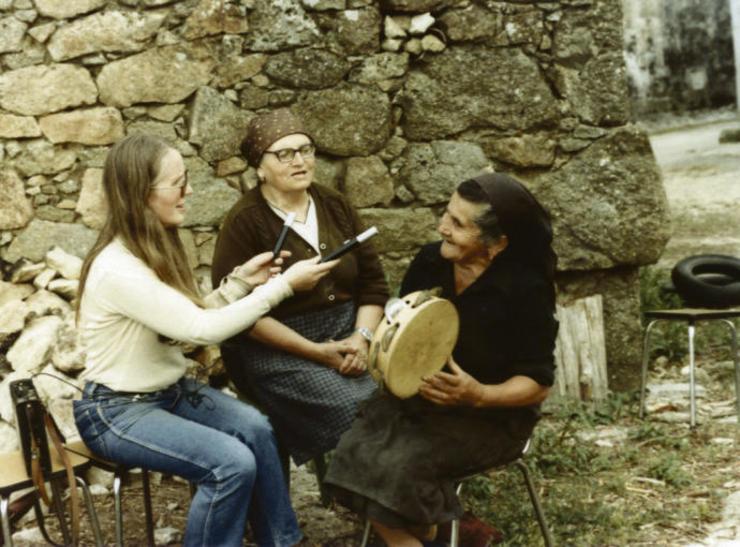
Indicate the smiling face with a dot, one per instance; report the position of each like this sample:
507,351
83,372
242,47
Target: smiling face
169,190
461,237
291,177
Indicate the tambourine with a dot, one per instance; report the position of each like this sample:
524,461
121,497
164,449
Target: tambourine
414,339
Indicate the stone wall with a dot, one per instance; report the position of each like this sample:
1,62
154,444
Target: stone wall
404,97
679,54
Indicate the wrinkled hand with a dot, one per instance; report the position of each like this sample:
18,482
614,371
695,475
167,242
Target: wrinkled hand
342,356
455,388
258,269
305,274
355,363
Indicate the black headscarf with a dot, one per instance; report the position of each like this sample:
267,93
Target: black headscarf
523,220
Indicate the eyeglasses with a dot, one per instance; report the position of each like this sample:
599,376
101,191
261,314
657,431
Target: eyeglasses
287,155
182,187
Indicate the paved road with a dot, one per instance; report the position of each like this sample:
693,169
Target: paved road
702,182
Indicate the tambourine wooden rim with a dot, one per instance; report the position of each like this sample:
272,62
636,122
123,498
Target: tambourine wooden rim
416,342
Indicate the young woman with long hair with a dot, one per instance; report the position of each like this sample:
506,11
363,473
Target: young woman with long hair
137,300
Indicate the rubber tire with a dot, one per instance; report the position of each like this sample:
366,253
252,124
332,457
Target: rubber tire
711,281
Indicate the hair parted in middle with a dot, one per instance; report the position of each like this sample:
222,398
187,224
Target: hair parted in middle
131,167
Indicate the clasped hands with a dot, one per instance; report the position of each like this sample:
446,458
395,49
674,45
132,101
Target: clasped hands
347,356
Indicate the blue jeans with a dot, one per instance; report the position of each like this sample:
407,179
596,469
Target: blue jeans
198,433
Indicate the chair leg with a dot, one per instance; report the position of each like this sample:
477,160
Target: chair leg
320,464
455,526
5,518
692,375
645,359
366,533
59,509
148,507
117,485
733,332
535,503
91,511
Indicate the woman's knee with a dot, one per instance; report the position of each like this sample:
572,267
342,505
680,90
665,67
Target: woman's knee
253,426
235,463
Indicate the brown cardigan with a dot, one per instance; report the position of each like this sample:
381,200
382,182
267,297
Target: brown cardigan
252,227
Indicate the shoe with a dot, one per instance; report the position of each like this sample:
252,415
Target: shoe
473,532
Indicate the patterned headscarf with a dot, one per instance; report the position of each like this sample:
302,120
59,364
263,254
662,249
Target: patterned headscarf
265,129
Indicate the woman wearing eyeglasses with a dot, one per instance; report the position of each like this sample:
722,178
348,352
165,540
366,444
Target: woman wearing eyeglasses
137,299
304,363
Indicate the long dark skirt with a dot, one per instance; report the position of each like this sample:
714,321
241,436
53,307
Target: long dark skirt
399,462
309,404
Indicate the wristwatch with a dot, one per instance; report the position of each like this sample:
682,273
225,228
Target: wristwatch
366,333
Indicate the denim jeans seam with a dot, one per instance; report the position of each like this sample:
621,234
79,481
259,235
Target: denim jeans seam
121,435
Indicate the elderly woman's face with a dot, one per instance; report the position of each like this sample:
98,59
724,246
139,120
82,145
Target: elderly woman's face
461,236
288,176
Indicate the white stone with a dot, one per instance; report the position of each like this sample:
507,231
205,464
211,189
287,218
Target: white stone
61,410
432,43
92,204
68,354
63,9
25,270
18,127
392,45
28,537
44,302
69,266
32,349
98,490
111,31
26,15
66,288
99,477
44,278
94,126
8,437
421,23
15,208
37,90
14,291
12,317
392,29
53,385
167,535
11,34
41,33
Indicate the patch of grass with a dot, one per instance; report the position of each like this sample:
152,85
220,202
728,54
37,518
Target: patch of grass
659,482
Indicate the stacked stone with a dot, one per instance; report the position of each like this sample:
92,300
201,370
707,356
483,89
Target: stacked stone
404,97
38,335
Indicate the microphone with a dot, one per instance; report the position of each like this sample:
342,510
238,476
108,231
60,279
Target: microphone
350,244
284,232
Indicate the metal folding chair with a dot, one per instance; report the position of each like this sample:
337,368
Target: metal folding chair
691,316
536,505
119,471
14,477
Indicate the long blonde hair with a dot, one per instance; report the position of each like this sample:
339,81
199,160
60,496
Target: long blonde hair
132,165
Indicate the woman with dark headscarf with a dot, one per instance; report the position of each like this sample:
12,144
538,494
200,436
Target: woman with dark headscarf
398,464
305,363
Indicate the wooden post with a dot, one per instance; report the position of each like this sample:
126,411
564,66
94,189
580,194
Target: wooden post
580,351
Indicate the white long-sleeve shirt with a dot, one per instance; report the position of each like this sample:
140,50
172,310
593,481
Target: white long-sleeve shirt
125,307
